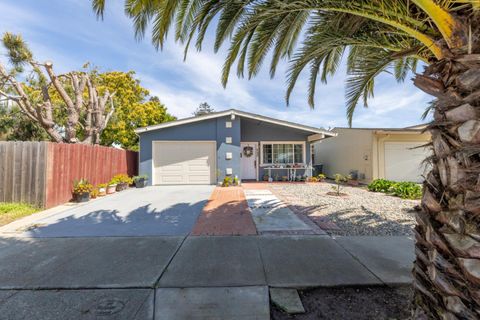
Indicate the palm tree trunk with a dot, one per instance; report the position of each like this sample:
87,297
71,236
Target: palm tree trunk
447,267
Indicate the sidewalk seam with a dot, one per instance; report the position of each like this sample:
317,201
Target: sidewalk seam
360,262
169,262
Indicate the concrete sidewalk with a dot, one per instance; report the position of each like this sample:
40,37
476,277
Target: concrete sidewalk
71,275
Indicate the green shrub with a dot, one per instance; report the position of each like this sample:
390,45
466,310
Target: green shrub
227,181
380,185
82,186
120,178
406,190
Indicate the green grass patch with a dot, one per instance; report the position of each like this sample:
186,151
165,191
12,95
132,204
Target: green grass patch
11,211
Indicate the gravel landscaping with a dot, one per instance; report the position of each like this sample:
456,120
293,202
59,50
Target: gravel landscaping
361,212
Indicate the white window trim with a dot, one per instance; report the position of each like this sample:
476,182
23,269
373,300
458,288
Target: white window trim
304,150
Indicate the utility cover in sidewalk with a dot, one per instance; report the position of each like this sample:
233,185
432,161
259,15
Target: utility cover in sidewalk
233,303
287,300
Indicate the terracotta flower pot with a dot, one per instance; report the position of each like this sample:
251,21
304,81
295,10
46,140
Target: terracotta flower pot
111,188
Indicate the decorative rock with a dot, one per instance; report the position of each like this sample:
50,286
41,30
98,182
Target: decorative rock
470,131
287,300
362,213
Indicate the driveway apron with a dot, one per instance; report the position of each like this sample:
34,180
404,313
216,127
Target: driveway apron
151,211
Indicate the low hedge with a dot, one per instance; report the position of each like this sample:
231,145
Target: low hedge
380,185
404,190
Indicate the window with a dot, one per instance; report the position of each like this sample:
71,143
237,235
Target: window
286,153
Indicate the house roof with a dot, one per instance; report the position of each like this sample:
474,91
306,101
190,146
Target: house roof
239,113
416,128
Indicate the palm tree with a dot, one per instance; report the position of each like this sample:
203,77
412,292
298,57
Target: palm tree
374,36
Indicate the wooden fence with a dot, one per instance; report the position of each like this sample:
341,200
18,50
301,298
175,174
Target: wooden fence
42,173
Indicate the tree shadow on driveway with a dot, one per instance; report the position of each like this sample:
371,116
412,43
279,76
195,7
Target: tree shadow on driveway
145,220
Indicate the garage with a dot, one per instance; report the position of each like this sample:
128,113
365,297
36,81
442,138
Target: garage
183,162
402,163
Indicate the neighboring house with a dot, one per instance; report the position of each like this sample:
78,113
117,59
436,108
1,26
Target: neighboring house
205,149
389,153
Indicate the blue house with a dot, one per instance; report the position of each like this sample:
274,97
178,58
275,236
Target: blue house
205,149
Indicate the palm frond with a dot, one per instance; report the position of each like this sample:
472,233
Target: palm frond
98,7
361,76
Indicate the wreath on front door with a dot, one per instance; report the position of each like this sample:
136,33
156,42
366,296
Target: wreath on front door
248,151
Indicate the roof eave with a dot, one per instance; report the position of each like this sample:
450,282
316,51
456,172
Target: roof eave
233,112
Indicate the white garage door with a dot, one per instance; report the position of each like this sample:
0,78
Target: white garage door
184,162
402,163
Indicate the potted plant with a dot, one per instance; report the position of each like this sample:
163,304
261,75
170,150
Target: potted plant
140,181
321,177
94,193
111,187
227,181
102,189
265,177
81,190
122,181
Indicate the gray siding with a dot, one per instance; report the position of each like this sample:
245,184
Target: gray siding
215,130
223,147
210,130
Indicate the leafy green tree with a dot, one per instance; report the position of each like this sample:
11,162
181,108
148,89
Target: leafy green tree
134,108
203,108
80,106
15,126
374,36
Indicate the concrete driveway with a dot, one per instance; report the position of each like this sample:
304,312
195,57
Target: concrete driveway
151,211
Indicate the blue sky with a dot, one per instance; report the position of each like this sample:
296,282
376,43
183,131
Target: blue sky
68,33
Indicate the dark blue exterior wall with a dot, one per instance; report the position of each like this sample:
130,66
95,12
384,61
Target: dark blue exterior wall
257,131
207,130
223,147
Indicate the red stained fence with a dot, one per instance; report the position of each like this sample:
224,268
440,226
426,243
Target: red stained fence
54,167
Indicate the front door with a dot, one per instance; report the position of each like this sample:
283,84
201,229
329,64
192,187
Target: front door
249,160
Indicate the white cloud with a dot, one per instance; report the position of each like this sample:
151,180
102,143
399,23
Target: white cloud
68,33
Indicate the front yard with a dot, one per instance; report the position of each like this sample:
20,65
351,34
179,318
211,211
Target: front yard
360,212
10,211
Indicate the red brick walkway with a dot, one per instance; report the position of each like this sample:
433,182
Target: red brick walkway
225,214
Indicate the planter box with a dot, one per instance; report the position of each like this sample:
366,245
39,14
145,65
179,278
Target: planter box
141,183
81,197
